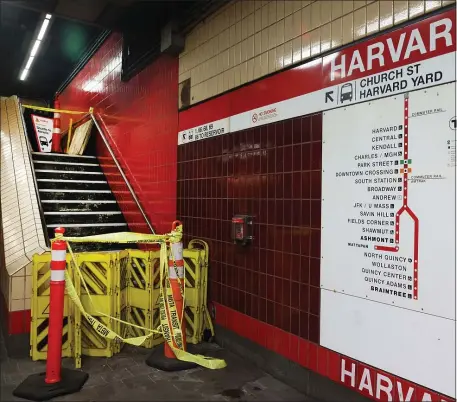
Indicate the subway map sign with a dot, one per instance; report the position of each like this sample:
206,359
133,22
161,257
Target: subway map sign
388,233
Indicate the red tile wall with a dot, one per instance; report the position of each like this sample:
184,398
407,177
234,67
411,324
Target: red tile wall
124,198
141,121
272,172
269,291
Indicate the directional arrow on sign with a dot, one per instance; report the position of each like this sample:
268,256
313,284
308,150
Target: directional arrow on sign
328,96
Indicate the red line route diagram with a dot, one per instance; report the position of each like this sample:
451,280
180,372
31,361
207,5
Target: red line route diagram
405,208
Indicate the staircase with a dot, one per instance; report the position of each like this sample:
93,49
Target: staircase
75,194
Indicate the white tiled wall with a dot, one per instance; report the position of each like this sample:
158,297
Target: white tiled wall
248,39
21,224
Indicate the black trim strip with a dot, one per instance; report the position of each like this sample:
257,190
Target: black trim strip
148,57
85,59
322,55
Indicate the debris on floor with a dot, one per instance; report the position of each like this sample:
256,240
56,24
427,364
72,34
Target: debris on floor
127,377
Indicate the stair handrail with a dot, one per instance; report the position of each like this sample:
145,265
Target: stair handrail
35,183
124,177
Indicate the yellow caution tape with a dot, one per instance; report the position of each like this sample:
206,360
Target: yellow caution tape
167,305
168,312
128,237
47,109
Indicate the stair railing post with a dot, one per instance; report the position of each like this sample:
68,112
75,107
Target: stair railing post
56,308
56,381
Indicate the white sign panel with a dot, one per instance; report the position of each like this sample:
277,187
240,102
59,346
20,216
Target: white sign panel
213,129
43,129
399,160
430,72
427,73
389,219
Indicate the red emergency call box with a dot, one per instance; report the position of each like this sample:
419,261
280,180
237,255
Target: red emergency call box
242,229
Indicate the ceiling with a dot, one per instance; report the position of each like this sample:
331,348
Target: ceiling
64,44
75,28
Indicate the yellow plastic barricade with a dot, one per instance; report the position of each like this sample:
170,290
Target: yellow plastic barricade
197,315
124,297
143,291
41,276
101,274
193,296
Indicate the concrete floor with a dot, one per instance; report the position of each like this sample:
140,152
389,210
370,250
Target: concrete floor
127,377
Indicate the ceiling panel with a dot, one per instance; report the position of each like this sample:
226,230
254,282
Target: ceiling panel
76,26
84,10
63,46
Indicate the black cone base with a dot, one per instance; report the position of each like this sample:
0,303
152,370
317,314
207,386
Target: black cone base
158,360
34,388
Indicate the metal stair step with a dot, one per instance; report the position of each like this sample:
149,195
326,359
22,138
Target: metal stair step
65,166
58,184
78,206
69,175
76,195
82,218
42,156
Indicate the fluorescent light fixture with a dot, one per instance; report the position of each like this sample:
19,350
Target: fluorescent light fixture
36,46
29,63
43,29
24,74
